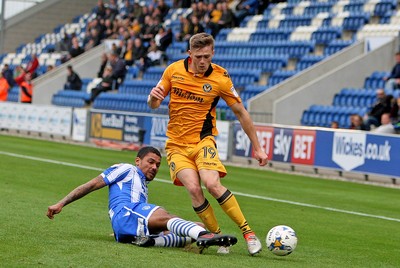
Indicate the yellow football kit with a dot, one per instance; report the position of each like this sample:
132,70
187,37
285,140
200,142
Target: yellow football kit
192,115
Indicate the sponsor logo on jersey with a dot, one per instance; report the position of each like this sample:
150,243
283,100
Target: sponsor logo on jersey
187,95
172,166
226,74
178,77
207,87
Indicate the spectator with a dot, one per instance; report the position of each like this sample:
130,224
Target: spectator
196,26
334,124
104,61
163,38
135,28
226,20
154,55
126,9
373,118
185,26
4,87
227,17
92,39
139,52
26,87
393,80
386,126
245,8
49,68
100,9
198,11
396,111
118,68
128,53
357,122
149,29
64,45
8,75
19,73
32,65
138,12
163,8
75,50
111,12
393,108
104,86
213,15
74,82
109,29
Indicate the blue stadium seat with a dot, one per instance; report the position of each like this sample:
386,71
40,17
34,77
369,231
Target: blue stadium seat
324,35
336,45
132,72
355,21
383,7
71,98
308,60
153,73
137,87
280,76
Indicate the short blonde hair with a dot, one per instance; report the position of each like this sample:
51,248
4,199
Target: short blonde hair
201,40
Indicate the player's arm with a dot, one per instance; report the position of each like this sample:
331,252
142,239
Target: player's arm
156,96
75,194
248,127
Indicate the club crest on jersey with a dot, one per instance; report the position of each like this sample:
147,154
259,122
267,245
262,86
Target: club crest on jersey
207,87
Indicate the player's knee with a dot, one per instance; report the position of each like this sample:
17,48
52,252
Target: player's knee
194,190
214,187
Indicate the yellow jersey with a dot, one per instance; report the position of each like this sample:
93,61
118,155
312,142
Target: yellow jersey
193,100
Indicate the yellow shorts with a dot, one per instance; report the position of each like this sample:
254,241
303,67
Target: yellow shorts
196,156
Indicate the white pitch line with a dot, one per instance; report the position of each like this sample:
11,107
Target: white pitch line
236,193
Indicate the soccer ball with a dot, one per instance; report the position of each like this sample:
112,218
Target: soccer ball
281,240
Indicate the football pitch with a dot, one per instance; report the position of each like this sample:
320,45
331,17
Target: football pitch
338,223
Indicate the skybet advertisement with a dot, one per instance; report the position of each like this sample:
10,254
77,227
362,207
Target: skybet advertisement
345,150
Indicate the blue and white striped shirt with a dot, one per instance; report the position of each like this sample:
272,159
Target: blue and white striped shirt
127,184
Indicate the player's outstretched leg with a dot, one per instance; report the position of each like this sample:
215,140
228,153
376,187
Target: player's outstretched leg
207,239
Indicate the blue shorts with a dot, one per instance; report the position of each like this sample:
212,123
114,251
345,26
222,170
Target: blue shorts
131,221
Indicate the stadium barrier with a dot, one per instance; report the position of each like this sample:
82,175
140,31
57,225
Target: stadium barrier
65,122
349,151
314,149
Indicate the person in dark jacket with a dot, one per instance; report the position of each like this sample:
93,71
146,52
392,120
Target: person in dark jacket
393,80
73,80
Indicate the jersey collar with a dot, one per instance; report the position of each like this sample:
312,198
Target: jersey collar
206,74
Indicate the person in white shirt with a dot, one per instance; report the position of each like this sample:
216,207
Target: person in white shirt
386,125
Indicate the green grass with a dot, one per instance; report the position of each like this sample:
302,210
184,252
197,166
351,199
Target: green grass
80,235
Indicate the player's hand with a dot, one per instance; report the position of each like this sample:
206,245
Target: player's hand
261,157
157,92
54,209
